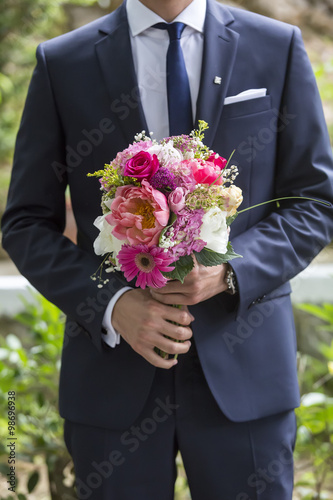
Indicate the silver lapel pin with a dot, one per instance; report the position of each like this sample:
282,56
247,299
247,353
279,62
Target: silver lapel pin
217,80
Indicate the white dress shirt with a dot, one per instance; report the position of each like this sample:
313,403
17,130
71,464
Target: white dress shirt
149,48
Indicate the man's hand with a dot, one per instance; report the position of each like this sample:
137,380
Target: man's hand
143,322
200,284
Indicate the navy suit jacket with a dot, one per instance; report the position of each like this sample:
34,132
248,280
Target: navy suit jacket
83,106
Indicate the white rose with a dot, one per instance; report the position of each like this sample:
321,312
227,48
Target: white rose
105,241
214,230
166,153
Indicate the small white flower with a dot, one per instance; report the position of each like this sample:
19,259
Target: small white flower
214,230
167,243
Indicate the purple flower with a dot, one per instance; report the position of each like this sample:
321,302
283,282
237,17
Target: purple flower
186,232
183,176
163,180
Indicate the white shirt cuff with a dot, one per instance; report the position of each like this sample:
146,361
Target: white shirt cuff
112,337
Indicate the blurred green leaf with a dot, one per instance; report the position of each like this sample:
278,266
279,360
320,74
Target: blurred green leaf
32,481
23,25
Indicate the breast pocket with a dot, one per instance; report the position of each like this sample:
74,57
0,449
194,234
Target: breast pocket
249,107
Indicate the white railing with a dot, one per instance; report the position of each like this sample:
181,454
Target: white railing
314,285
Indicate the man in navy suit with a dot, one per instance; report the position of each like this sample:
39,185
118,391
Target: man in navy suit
228,405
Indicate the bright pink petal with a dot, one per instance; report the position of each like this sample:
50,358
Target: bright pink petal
142,280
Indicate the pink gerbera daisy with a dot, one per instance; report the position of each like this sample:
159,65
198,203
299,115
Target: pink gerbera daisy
147,263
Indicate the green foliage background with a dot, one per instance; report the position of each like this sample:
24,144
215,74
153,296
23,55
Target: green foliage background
23,24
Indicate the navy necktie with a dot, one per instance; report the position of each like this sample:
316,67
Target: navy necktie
179,96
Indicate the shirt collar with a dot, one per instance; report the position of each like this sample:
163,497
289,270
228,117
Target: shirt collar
140,18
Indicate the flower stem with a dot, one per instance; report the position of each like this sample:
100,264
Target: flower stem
232,154
285,198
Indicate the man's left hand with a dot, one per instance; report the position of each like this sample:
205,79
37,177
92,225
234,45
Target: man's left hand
200,284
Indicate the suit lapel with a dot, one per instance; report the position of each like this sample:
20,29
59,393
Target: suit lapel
220,48
115,58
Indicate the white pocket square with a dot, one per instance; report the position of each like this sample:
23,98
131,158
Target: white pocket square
245,96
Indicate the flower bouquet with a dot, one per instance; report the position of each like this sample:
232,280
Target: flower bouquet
163,204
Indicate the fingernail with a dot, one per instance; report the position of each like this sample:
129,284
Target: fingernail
175,362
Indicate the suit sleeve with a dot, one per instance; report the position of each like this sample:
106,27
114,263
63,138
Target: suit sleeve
34,219
285,242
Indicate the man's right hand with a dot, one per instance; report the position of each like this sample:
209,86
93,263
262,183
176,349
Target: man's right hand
144,322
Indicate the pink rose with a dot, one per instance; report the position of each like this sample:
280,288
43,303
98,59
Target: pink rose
206,172
143,165
176,199
138,214
219,161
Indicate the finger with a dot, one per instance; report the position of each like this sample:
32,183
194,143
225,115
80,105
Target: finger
156,360
176,332
176,286
171,347
171,287
181,316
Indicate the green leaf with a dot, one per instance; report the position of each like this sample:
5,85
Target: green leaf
325,313
183,266
231,219
33,480
40,399
208,258
20,496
